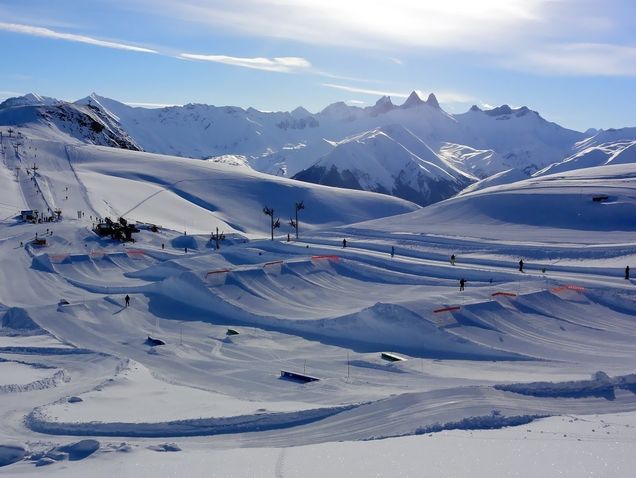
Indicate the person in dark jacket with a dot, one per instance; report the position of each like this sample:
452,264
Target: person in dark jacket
462,283
521,265
627,273
127,299
344,243
392,251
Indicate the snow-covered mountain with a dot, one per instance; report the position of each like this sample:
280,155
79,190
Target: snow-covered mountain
322,146
285,143
390,160
613,146
51,119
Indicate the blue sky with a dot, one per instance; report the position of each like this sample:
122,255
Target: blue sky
574,61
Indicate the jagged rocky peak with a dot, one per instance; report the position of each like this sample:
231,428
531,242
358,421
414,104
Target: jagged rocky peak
383,105
414,99
432,101
507,110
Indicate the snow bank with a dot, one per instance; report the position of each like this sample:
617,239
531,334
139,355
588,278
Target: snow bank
39,422
600,385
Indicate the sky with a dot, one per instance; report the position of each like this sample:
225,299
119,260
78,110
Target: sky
574,61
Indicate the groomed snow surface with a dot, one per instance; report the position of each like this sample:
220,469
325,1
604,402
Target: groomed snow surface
521,374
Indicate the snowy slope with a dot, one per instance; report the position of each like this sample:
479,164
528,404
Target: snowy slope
391,160
177,193
551,208
83,392
66,122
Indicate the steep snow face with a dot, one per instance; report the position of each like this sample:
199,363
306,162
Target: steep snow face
69,123
391,160
478,162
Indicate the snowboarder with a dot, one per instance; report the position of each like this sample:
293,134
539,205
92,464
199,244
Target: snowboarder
392,251
627,273
462,283
127,299
452,261
520,265
344,243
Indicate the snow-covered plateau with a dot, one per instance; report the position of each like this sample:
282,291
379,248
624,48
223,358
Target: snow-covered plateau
350,350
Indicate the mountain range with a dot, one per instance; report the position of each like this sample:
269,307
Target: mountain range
416,150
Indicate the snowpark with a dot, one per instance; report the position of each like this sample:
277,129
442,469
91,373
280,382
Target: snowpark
303,357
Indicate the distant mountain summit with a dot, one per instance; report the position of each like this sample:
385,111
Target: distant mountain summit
415,150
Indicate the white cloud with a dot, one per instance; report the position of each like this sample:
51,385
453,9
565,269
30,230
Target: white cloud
366,91
373,24
286,64
47,33
589,59
150,105
447,97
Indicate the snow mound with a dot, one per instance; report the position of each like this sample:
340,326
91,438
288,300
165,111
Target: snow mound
487,422
16,318
11,454
80,450
600,385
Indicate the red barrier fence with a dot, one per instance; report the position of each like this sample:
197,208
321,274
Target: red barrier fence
220,271
561,288
328,257
447,309
271,263
506,294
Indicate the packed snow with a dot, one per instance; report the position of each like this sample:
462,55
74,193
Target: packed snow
277,357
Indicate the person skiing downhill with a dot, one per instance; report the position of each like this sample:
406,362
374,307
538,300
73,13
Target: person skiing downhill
452,260
127,299
392,251
520,265
344,243
627,273
462,283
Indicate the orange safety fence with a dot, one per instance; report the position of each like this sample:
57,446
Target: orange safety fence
561,288
447,309
272,263
328,257
506,294
220,271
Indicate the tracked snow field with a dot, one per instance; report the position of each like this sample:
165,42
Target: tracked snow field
302,358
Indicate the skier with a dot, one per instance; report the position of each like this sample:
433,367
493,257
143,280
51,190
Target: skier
452,261
462,283
520,265
392,251
162,246
627,273
344,243
127,299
